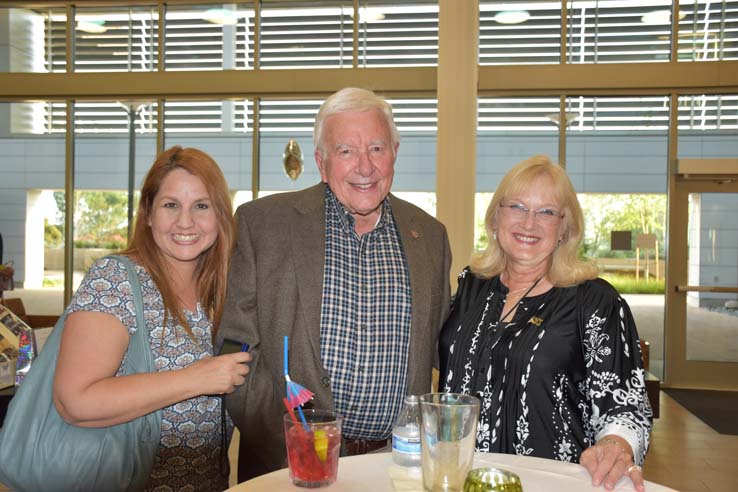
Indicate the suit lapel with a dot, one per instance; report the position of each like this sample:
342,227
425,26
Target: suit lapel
416,254
308,252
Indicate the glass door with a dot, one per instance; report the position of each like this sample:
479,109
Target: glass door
702,283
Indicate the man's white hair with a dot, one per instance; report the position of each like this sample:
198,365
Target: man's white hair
353,99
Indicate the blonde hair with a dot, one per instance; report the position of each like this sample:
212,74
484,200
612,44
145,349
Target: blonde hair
353,99
212,265
567,268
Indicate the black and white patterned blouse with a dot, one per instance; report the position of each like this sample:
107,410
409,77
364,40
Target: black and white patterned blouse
564,372
189,448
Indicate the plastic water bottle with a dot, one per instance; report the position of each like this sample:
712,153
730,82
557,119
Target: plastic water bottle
406,434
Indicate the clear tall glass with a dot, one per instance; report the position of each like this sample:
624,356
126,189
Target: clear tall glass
447,438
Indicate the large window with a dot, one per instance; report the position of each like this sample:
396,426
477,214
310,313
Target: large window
33,232
114,146
32,40
617,158
222,128
306,34
209,37
509,130
618,32
512,35
312,34
606,31
622,114
625,235
709,112
114,39
708,30
398,33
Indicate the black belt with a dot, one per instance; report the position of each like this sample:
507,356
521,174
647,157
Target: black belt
353,447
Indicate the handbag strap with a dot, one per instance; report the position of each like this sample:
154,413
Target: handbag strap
139,357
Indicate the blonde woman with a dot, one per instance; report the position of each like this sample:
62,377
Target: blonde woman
551,350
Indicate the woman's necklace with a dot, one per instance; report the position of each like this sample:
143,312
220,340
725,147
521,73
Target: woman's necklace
532,286
517,290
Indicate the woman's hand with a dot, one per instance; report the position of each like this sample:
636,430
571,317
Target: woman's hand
609,460
87,392
220,374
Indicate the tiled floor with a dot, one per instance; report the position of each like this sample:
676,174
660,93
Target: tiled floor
687,455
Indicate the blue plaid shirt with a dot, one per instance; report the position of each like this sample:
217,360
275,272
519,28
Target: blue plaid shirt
365,321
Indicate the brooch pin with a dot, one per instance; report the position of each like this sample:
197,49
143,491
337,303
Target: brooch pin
535,320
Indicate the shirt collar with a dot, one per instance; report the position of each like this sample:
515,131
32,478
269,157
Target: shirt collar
347,219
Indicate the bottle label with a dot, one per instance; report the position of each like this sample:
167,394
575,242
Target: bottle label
406,445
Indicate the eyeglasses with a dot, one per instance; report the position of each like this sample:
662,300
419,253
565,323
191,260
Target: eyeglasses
519,212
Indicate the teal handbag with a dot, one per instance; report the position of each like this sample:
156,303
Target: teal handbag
41,452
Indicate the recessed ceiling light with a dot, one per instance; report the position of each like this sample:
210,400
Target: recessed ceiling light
660,17
221,16
511,16
92,26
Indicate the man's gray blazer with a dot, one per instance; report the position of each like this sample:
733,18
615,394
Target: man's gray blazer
275,286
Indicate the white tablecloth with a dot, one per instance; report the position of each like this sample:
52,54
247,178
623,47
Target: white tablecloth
371,472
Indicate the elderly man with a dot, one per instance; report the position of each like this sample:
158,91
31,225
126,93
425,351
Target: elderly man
357,278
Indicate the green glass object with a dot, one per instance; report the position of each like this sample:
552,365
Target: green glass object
492,480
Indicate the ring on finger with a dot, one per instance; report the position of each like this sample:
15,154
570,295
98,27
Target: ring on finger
633,467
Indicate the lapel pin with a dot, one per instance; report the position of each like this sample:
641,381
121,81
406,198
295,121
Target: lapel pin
415,234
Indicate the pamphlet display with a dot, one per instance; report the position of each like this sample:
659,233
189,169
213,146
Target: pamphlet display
17,348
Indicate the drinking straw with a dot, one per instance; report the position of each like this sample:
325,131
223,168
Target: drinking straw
294,390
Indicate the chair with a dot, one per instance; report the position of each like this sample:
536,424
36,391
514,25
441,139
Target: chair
653,384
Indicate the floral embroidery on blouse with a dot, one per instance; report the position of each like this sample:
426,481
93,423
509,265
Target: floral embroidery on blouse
556,378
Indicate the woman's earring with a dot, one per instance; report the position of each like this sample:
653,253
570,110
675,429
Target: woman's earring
494,235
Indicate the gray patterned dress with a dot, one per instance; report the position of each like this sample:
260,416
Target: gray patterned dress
188,455
564,372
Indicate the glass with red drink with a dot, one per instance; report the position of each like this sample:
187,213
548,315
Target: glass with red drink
313,447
